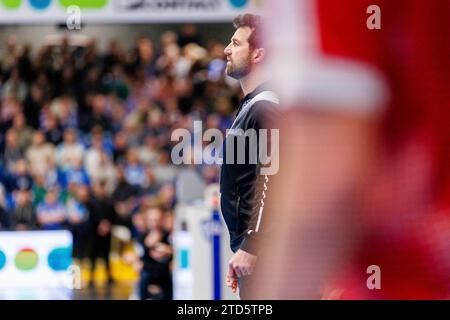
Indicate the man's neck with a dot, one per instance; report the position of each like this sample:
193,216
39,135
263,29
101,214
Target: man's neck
251,81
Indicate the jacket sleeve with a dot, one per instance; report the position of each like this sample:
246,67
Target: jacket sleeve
265,115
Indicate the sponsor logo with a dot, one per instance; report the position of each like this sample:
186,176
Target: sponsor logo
2,260
26,259
11,4
44,4
40,4
84,4
238,3
159,5
60,259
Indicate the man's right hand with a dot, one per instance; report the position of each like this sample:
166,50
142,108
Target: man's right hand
104,228
232,279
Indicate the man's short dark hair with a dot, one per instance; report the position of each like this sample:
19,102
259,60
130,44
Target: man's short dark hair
253,22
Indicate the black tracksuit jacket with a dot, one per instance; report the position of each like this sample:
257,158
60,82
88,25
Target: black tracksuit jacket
243,189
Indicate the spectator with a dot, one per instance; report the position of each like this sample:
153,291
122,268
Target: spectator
76,174
23,216
52,128
98,163
10,107
107,172
189,34
118,113
151,186
148,153
13,152
39,190
101,214
145,56
70,153
39,154
114,56
98,113
51,214
78,215
24,64
24,132
120,147
54,177
65,109
134,170
217,65
155,278
14,86
165,171
33,105
166,196
167,38
2,194
11,53
93,155
19,178
125,199
4,218
124,190
4,223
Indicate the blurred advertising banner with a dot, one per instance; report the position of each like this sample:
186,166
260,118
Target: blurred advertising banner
123,11
202,250
35,259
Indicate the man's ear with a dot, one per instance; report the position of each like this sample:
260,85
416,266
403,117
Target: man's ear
259,55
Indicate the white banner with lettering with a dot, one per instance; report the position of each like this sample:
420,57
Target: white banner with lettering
35,259
123,11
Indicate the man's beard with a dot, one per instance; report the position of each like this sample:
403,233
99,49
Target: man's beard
240,72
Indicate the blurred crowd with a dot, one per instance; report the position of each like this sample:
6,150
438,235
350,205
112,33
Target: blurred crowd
85,137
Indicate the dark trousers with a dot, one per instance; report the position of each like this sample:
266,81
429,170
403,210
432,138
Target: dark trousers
147,278
100,248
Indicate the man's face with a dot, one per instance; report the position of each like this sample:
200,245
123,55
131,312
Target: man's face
51,197
154,219
70,137
238,54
